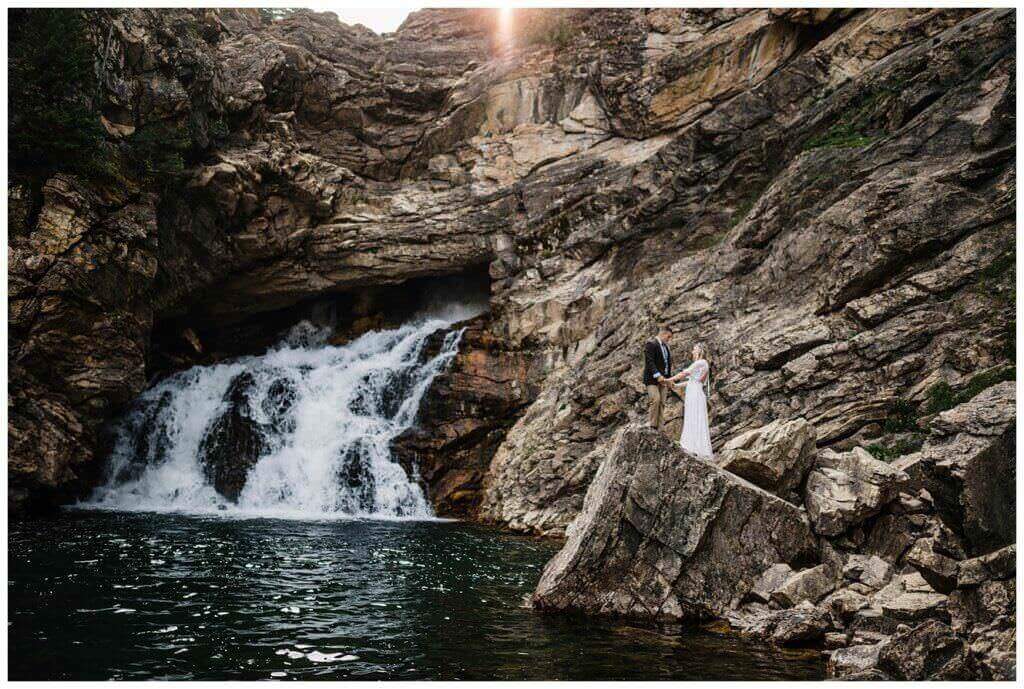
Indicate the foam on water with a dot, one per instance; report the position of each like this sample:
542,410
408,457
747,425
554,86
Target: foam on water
325,454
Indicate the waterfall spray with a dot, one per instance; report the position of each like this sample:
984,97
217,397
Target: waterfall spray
304,430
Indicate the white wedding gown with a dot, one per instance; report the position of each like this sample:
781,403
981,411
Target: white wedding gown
696,437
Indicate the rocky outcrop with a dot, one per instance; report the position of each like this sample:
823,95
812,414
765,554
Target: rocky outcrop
846,488
970,457
776,457
825,197
666,535
796,234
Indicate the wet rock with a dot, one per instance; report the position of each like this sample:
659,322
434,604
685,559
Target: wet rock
236,441
930,651
844,489
664,534
775,457
465,416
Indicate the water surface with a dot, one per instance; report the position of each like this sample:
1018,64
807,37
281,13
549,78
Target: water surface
99,595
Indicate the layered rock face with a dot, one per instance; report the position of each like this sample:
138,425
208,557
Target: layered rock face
825,198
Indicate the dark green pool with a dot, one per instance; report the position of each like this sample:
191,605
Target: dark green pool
102,595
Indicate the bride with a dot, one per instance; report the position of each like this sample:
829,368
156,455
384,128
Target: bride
696,437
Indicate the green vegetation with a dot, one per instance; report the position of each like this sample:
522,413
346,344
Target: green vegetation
50,121
54,120
887,453
156,152
902,418
842,135
942,397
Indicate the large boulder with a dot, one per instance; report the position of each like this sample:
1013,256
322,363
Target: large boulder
930,651
853,659
664,534
970,456
775,457
983,611
809,585
846,488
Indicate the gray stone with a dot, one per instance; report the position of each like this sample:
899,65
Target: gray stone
937,569
844,604
853,659
775,457
771,579
999,564
930,651
845,489
799,626
970,456
808,585
870,570
664,534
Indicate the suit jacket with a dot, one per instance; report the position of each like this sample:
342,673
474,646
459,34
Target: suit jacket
654,362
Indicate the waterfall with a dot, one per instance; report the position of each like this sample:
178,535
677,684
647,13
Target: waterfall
303,430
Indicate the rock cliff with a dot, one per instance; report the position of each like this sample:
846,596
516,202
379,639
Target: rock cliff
824,197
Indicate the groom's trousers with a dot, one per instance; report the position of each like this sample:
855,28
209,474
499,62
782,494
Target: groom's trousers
657,395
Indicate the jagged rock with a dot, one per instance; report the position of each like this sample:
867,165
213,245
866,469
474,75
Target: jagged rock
771,579
809,585
236,440
970,455
464,417
930,651
836,640
844,604
775,457
999,564
913,607
664,534
870,570
844,489
991,602
853,659
872,620
799,626
939,570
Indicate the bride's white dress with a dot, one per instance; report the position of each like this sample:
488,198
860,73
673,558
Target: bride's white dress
696,437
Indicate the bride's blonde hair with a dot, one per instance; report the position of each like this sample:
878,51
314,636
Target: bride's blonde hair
702,350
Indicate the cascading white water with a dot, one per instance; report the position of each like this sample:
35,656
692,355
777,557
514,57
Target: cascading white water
306,427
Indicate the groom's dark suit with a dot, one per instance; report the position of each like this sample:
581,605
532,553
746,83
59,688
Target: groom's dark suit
657,364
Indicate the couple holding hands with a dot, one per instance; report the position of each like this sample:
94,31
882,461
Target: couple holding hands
696,437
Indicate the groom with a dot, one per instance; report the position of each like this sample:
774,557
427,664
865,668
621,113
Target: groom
657,371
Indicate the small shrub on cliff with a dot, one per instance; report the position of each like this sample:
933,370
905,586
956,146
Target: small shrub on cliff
903,446
942,397
839,136
902,417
